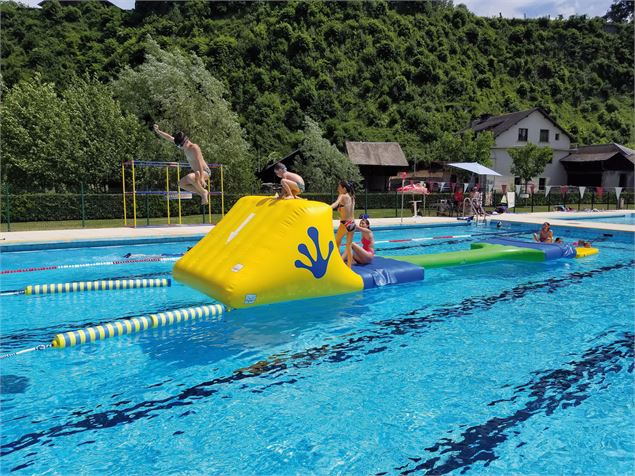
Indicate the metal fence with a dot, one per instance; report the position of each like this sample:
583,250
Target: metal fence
87,209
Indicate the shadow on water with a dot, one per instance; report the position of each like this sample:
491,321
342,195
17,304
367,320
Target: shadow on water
250,332
12,384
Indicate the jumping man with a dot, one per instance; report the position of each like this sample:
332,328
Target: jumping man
196,180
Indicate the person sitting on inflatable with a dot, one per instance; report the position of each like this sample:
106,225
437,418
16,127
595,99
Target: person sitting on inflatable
364,254
545,235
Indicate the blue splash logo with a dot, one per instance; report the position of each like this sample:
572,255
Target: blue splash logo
319,264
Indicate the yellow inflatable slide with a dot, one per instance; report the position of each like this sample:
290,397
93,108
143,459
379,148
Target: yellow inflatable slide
267,250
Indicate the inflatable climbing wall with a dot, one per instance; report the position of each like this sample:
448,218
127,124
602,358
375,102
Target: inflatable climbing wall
267,250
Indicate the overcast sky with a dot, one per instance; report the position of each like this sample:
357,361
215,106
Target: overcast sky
509,8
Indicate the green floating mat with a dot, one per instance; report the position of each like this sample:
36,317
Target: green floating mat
479,253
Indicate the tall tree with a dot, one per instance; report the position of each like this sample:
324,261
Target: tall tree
529,161
621,11
103,136
323,165
37,145
176,91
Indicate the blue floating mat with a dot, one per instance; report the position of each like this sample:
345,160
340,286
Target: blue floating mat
551,250
385,271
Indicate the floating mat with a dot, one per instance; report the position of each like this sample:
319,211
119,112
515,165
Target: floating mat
551,250
385,271
479,253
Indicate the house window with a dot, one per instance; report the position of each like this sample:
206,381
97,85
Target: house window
557,136
541,183
544,135
517,180
522,135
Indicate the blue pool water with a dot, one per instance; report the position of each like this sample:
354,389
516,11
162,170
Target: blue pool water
504,368
627,219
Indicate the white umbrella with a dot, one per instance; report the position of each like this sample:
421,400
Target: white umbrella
475,168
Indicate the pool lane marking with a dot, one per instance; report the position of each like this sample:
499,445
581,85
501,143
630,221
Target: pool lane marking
477,443
88,265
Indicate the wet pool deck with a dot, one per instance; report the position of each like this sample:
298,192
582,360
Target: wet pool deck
184,231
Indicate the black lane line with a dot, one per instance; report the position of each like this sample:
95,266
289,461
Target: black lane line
279,364
549,391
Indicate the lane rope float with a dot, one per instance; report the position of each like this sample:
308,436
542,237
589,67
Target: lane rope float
90,265
126,326
102,285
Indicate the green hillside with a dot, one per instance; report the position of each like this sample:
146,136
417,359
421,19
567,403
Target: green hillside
376,71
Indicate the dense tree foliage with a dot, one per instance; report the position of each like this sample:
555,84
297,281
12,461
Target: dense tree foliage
410,72
529,161
177,92
322,165
620,11
54,141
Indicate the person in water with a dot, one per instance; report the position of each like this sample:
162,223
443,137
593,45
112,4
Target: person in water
345,205
545,235
292,183
364,254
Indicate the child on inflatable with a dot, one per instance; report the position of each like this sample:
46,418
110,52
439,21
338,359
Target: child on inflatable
545,235
364,254
292,183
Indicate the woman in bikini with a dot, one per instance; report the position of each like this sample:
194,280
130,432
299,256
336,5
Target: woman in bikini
345,205
364,254
545,235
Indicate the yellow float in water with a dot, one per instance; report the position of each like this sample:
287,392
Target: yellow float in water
583,252
267,250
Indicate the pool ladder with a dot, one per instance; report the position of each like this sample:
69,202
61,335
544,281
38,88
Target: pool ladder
472,208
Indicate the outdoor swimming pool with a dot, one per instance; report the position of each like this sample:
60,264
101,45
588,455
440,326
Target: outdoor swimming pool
498,368
626,219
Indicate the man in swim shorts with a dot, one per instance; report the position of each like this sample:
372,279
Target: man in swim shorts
195,181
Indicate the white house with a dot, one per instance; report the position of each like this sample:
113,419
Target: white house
517,130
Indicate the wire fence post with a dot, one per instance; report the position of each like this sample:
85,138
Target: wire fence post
592,199
83,206
365,197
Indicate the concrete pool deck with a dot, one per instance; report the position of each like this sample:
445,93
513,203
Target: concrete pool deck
182,232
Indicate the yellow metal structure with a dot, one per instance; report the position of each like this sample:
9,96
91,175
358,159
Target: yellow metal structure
123,189
266,251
